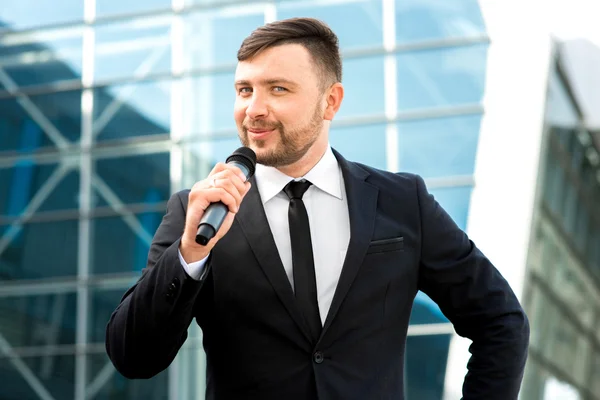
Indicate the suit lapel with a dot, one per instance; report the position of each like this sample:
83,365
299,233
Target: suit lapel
362,206
254,224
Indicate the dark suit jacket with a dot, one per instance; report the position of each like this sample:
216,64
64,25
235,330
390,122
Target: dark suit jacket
256,343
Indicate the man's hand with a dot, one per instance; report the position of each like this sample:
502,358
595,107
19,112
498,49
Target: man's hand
225,183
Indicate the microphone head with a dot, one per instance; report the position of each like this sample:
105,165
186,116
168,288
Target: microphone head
245,156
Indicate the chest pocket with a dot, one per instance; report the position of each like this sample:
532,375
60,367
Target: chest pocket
385,245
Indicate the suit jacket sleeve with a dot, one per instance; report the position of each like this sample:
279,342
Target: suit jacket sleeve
150,324
475,297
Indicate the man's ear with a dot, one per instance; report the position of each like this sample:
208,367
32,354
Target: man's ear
333,97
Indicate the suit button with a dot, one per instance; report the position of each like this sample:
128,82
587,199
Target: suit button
318,357
172,287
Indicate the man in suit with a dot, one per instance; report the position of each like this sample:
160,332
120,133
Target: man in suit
306,290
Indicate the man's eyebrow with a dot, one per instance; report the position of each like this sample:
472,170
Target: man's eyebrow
272,81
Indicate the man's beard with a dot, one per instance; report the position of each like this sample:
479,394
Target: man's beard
292,144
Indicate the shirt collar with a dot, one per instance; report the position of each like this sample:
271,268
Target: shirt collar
325,175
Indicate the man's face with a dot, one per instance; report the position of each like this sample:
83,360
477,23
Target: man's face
279,105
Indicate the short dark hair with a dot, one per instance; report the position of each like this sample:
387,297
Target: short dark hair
320,41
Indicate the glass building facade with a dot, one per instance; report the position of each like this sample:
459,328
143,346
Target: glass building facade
107,107
562,297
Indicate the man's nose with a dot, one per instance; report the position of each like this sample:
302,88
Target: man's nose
257,108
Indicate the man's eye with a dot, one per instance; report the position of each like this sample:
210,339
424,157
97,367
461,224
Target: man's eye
245,90
279,89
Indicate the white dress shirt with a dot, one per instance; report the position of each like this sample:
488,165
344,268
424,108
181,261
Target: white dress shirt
327,208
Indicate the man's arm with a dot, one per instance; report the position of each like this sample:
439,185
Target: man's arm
150,324
477,300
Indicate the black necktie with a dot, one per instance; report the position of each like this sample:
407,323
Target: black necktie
305,285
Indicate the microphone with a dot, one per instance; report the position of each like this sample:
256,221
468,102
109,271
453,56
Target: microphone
245,159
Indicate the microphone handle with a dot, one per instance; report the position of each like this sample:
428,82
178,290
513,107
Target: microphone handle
211,222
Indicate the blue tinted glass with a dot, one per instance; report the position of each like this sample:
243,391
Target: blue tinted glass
59,189
40,121
108,7
356,23
441,77
31,13
136,48
363,87
440,146
56,374
117,247
58,238
221,36
215,150
425,371
40,320
455,200
40,59
426,311
365,144
423,20
136,109
119,388
134,179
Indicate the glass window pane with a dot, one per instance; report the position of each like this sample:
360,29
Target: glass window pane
363,96
111,7
455,200
423,20
222,32
102,303
58,187
38,320
18,261
207,104
426,311
133,179
56,374
135,109
38,58
441,77
425,371
121,243
32,122
135,48
365,144
343,17
440,146
24,14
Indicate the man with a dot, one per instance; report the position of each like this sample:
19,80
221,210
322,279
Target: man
306,290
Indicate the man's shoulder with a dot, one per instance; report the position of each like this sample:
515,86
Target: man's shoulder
390,180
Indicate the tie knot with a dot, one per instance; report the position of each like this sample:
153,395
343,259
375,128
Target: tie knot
296,189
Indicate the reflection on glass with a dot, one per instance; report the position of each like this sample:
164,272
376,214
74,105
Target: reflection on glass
133,179
430,19
439,147
365,144
24,14
45,120
135,48
56,374
222,32
22,182
441,77
40,58
39,320
364,90
425,371
135,109
26,256
121,243
112,7
455,200
344,18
